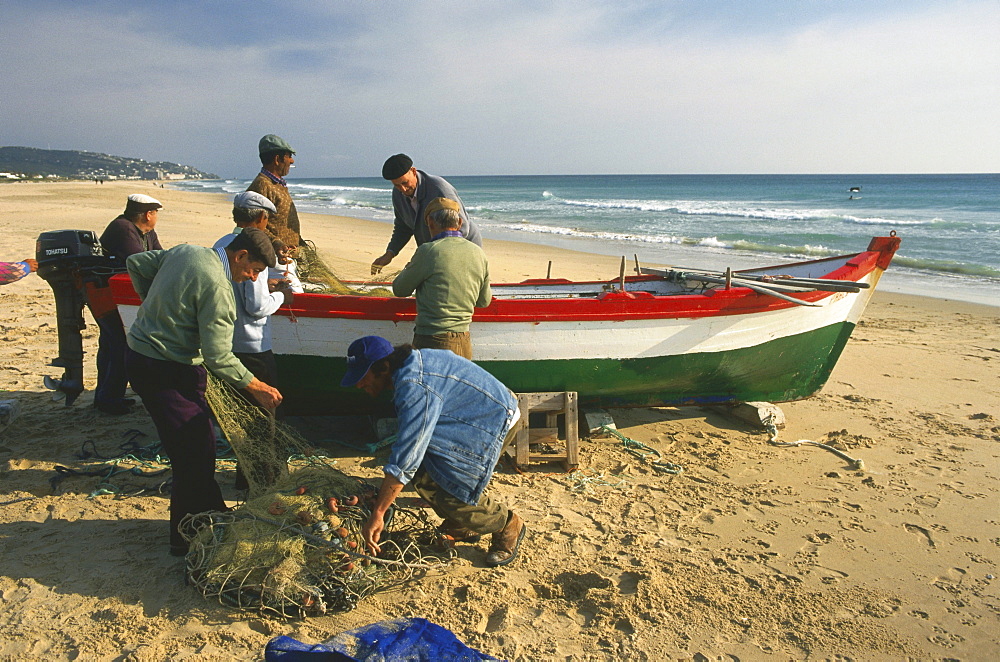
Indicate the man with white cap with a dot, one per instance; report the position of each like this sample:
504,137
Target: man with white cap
277,158
132,232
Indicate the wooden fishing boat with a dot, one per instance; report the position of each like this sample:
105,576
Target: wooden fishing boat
659,337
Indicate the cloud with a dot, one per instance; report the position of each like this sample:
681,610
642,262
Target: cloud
491,88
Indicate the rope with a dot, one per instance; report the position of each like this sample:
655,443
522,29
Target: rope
856,464
644,453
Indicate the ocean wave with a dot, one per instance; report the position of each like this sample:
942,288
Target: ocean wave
946,266
335,187
886,221
725,209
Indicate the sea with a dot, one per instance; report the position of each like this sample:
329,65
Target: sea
949,224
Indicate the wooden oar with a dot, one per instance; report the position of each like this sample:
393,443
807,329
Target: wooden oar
809,283
760,289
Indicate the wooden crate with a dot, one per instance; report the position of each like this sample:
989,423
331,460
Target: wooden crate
554,404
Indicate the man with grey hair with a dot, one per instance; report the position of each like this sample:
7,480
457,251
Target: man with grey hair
412,191
256,301
451,278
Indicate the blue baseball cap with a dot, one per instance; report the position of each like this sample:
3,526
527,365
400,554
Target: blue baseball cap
362,353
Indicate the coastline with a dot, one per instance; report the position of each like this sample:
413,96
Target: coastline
753,551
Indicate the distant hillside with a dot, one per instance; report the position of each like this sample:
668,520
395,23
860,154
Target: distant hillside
32,163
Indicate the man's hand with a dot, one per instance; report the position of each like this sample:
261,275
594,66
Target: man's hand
33,264
372,530
382,261
268,396
284,286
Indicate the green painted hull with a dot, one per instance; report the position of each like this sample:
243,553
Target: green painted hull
788,368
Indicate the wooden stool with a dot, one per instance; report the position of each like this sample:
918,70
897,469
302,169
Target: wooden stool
554,404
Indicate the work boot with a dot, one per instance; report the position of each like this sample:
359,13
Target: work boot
506,541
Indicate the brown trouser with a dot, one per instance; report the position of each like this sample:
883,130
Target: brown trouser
458,342
487,516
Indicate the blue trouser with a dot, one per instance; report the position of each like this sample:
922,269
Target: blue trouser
111,346
174,396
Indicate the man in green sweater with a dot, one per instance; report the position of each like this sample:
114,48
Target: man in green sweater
184,327
451,278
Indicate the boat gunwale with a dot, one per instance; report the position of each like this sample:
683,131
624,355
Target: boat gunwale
613,305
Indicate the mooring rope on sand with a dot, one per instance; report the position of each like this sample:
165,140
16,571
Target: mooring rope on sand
855,463
644,453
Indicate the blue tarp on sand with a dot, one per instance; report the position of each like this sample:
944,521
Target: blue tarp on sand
398,640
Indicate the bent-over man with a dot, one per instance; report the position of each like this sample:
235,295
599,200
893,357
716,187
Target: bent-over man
412,191
453,418
451,278
184,328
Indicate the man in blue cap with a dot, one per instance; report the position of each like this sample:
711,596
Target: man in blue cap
454,418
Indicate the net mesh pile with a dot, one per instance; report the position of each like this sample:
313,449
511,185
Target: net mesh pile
312,269
295,547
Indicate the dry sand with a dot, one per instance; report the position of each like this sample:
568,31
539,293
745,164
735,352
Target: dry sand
753,552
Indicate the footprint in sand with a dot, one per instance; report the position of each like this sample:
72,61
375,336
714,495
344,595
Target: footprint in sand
951,576
921,531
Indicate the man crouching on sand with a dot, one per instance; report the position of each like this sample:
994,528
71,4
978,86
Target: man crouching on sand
453,419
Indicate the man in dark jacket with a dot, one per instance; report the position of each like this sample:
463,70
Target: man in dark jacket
132,232
412,191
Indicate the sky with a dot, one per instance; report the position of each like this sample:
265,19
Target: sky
511,87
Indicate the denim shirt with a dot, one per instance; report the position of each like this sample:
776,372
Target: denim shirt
453,417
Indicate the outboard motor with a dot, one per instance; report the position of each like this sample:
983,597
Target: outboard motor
73,263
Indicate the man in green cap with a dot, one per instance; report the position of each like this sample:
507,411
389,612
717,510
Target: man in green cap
276,158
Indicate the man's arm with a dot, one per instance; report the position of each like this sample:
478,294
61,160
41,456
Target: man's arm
414,273
142,268
402,228
257,301
485,293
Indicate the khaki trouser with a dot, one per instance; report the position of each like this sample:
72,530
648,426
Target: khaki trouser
487,516
458,342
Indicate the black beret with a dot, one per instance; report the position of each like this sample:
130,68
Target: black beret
396,166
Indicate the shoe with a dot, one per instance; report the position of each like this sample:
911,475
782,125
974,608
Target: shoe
506,542
115,407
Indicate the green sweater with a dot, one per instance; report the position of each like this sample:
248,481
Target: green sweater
451,277
187,310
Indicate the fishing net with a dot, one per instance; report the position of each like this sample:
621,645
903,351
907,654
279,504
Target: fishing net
295,547
313,269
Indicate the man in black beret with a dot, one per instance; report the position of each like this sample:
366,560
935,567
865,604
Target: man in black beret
412,191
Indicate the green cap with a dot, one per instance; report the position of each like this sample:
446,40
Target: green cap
272,143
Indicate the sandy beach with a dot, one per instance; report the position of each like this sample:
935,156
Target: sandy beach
752,552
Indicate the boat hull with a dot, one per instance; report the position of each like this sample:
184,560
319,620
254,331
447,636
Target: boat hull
616,349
